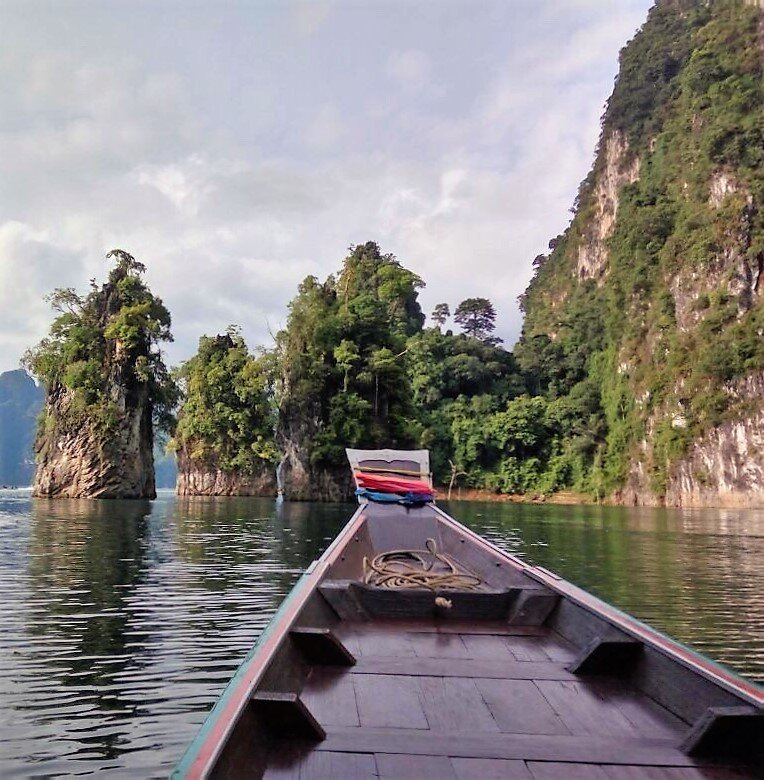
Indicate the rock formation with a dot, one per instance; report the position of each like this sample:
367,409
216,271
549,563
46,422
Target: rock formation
76,460
224,437
205,478
106,383
656,287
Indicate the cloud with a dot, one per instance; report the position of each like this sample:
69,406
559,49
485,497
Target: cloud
235,152
409,69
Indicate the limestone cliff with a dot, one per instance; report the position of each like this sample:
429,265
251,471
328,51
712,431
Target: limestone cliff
77,460
106,384
301,480
653,295
206,478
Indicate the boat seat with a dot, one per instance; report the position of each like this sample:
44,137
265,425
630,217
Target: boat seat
614,656
285,714
353,600
321,647
727,732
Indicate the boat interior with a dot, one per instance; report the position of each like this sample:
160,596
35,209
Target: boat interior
500,670
508,679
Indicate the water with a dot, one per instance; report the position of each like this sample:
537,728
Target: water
122,621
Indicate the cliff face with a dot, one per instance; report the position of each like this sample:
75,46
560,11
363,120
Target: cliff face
300,479
664,259
79,461
204,478
106,384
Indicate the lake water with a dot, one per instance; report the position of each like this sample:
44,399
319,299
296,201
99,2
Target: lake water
123,620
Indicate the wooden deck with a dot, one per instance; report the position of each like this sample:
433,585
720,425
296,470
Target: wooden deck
432,700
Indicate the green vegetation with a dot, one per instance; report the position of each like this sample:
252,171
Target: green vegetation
108,338
676,319
342,354
227,417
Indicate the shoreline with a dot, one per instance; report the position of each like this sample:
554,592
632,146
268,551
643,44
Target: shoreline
567,497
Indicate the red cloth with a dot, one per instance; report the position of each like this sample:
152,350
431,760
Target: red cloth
392,483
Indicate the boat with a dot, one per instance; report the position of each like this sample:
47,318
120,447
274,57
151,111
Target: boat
415,648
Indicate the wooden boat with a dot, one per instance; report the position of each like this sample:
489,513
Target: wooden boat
499,670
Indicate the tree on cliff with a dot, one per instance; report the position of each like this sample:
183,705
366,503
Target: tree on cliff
227,418
440,314
477,318
107,386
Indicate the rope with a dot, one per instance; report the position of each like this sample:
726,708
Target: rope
408,569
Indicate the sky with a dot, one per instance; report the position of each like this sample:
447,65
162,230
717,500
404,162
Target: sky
236,147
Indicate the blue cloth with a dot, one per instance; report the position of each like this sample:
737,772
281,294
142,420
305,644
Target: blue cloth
407,499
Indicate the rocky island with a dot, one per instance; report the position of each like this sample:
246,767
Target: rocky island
224,437
106,386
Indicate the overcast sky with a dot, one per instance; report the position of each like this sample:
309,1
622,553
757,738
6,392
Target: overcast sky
235,147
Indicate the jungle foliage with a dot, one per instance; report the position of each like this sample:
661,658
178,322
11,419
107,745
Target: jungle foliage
105,339
227,417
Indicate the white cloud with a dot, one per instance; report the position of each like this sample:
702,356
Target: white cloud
236,152
409,69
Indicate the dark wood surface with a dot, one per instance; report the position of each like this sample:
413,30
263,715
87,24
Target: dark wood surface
422,702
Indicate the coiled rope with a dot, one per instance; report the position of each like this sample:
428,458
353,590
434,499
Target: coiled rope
417,569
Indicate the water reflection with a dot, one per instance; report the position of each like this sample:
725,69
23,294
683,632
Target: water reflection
124,620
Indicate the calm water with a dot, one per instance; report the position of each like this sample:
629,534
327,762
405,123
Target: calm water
122,621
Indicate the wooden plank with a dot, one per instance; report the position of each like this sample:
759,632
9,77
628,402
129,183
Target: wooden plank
321,646
559,649
329,694
583,711
679,689
342,600
389,701
552,770
490,769
456,667
647,716
519,708
285,714
499,628
454,704
384,643
578,625
415,603
284,759
438,645
527,649
528,747
532,606
727,731
616,657
330,765
675,773
395,766
486,647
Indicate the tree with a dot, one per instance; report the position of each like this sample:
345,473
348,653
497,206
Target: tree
440,314
477,318
109,336
228,417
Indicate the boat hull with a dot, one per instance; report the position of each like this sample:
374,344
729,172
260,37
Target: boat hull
525,675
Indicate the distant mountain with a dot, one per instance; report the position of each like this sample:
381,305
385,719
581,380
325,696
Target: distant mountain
20,403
